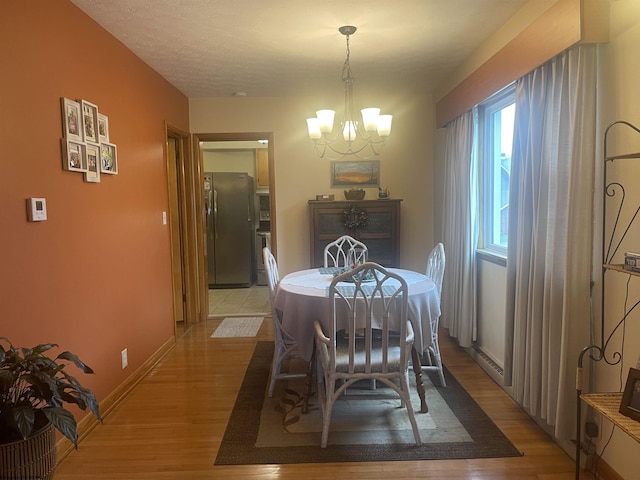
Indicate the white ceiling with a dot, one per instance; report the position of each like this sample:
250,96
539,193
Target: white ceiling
273,48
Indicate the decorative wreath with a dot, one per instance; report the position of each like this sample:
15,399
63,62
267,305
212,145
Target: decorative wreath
355,217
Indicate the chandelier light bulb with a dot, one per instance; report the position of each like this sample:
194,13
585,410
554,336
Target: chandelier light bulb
349,131
370,118
325,120
313,125
384,125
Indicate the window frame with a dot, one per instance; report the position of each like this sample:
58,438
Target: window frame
484,111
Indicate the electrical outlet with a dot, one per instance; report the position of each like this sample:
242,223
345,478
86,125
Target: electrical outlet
125,359
591,429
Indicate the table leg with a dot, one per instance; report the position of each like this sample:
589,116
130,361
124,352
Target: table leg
308,383
417,369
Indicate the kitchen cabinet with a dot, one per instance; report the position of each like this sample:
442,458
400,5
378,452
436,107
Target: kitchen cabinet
262,168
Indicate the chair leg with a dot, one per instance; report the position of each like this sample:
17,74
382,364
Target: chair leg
440,371
279,354
434,350
408,383
275,369
404,385
326,411
325,427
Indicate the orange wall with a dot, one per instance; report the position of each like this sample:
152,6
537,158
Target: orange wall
96,276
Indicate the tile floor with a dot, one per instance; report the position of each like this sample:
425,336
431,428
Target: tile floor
224,302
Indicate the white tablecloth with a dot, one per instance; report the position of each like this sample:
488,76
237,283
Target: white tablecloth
303,297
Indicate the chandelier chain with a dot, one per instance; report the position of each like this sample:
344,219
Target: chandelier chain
346,68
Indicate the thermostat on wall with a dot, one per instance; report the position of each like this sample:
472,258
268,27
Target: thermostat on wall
36,209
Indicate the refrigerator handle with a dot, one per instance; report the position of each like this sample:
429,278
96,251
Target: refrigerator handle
215,212
208,202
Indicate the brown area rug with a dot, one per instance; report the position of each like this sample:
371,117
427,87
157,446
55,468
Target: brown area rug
264,430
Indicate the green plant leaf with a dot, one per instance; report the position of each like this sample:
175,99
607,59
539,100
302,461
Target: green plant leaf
64,422
41,386
43,347
23,417
7,378
76,361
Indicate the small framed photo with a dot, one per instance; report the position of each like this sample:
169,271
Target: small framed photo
630,405
103,128
71,120
89,122
92,175
108,158
74,156
358,173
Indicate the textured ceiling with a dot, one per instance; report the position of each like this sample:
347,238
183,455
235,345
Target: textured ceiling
272,48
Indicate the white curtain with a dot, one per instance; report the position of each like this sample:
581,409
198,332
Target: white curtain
550,235
460,230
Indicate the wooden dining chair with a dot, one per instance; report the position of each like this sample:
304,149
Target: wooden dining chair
285,345
374,302
344,251
431,359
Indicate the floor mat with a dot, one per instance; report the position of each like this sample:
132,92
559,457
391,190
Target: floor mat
238,327
263,430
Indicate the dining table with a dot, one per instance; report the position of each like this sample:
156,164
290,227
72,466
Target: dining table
302,297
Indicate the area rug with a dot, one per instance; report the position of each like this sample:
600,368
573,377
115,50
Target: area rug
263,430
238,327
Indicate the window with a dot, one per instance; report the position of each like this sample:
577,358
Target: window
495,119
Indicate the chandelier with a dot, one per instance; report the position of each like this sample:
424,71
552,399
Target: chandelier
357,139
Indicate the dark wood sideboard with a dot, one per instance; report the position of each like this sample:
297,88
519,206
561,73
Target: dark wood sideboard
381,234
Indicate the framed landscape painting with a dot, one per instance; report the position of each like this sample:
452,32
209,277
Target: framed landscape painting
360,174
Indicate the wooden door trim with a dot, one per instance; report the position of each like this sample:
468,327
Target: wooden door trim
188,178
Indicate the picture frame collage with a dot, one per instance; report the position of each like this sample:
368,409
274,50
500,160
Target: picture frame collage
85,143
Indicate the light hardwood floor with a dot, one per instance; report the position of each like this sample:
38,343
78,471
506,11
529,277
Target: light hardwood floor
171,424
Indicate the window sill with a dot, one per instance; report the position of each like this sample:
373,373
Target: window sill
491,257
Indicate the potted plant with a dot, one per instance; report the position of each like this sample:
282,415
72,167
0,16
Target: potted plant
34,389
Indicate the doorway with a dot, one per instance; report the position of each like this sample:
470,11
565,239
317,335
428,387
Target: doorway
255,299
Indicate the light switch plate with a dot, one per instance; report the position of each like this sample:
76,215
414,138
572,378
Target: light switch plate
36,209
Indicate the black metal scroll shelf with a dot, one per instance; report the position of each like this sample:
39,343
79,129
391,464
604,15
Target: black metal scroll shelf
613,198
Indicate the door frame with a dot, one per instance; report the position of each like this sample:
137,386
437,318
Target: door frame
198,194
183,180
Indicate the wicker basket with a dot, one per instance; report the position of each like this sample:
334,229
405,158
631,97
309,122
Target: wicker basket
354,194
30,459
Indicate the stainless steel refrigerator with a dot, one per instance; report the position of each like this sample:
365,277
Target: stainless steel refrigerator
230,210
